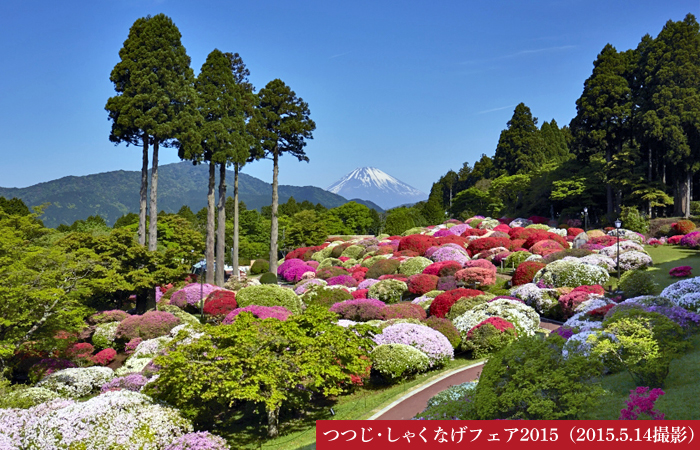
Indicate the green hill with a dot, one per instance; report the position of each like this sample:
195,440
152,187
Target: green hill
112,194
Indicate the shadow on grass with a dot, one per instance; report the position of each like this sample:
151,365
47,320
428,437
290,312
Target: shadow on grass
666,257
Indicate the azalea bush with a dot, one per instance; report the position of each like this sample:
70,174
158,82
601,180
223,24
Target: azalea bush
637,282
683,226
681,271
443,302
640,405
571,273
192,294
431,342
360,310
105,334
388,291
383,267
148,326
403,311
269,295
523,317
220,303
132,382
77,382
398,361
445,327
260,312
526,271
489,336
476,275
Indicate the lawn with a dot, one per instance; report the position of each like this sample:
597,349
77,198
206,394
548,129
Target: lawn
666,257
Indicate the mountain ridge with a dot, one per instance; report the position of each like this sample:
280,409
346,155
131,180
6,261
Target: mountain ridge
370,183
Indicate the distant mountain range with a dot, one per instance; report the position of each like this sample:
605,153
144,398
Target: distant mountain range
379,187
113,194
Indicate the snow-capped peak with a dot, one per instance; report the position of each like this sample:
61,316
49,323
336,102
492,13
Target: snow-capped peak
370,183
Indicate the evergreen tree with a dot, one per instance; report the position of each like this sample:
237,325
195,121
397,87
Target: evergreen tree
155,102
282,122
556,149
520,147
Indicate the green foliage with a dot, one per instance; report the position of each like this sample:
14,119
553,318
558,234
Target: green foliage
260,361
356,217
269,295
633,220
307,229
466,304
381,266
388,291
413,266
324,296
486,340
530,379
645,344
268,278
396,362
259,266
637,282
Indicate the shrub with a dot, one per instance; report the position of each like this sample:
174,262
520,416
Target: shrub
450,253
479,245
104,335
680,271
541,235
388,291
403,311
413,266
526,271
443,302
114,315
296,272
548,387
132,382
78,382
398,361
192,294
80,352
431,342
288,264
326,297
359,293
447,283
268,278
446,327
104,357
261,312
445,268
420,283
383,267
515,258
637,282
640,405
260,266
180,314
148,326
466,304
269,295
546,247
342,280
200,440
682,226
303,253
359,310
476,275
220,303
633,220
523,317
418,243
571,273
489,336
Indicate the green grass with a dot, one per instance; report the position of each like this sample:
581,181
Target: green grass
300,433
666,257
682,389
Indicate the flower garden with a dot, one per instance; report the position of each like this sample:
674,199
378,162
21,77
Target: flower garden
373,313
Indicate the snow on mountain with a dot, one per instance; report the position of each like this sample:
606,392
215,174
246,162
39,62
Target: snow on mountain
369,183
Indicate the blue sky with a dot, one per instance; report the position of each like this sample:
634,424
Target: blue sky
414,88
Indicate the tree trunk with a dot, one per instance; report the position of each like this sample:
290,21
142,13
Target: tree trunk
209,250
153,219
681,197
608,188
689,194
234,255
221,227
273,221
273,422
143,200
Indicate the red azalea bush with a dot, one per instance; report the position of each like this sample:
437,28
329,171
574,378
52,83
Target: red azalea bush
484,277
383,267
104,357
473,232
421,283
570,301
114,315
446,327
525,272
683,227
600,313
330,272
406,254
573,231
419,243
148,326
546,247
81,351
516,244
605,241
449,269
435,267
680,271
497,322
486,243
502,228
443,302
403,310
452,239
675,240
304,253
220,303
541,235
359,293
359,273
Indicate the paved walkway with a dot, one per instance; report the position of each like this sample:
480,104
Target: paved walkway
415,402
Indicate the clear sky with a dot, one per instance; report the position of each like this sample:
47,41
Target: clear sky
414,88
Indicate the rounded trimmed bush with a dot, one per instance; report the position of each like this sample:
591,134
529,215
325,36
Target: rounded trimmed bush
359,310
220,303
151,325
114,315
398,361
104,335
526,271
403,311
466,304
268,278
191,295
571,273
418,243
326,273
489,336
637,282
446,327
324,296
476,275
443,302
683,226
261,312
259,266
421,283
383,267
388,291
413,266
429,341
269,295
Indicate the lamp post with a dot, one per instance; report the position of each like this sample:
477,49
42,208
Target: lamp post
585,219
618,224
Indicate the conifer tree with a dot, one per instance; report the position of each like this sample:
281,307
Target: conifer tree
520,148
155,102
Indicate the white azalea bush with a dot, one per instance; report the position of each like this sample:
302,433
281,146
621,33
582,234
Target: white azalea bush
105,334
625,246
543,300
77,382
431,342
597,259
634,260
117,420
684,293
396,361
628,234
572,273
523,317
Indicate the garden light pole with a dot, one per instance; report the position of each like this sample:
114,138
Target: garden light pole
618,224
585,219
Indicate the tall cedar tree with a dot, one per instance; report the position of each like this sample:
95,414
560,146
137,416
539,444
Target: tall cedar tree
602,122
520,148
155,102
282,122
224,109
672,109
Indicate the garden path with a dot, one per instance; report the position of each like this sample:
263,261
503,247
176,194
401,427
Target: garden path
414,402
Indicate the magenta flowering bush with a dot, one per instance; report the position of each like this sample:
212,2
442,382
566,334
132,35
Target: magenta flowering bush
132,382
680,271
449,253
200,440
691,239
261,312
288,264
130,346
359,310
431,342
148,326
640,405
192,294
342,280
296,273
442,232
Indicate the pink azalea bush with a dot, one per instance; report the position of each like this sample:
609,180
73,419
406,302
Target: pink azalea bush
680,271
104,357
199,440
191,294
132,382
359,310
148,326
261,312
479,275
640,405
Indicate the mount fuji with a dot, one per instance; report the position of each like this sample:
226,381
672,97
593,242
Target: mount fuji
369,183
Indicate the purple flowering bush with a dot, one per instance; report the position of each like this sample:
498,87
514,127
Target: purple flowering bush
342,280
640,405
359,310
431,342
192,294
132,382
200,440
261,312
